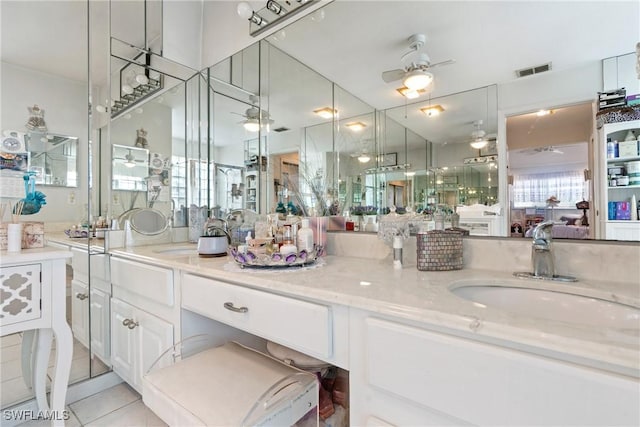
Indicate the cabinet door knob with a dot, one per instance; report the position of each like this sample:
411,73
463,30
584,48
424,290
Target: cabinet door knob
132,324
81,296
230,306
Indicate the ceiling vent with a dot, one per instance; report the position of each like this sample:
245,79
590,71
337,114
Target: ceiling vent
281,129
533,70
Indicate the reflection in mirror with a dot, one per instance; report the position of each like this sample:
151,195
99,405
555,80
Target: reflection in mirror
448,161
549,161
129,168
54,158
146,221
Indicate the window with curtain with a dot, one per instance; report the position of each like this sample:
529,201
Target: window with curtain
534,189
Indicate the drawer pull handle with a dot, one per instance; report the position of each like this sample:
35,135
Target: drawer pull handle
230,306
126,322
81,296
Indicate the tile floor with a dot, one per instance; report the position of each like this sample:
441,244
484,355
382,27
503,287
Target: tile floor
117,406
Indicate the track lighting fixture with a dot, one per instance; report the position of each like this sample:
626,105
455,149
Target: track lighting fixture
273,12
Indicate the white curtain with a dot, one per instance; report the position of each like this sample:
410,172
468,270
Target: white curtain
534,189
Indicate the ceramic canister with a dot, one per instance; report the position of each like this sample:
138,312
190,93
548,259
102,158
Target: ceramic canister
633,170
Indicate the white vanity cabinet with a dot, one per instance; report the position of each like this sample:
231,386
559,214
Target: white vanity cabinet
144,317
407,375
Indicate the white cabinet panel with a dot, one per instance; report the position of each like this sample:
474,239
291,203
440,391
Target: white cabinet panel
80,311
122,341
489,385
100,325
155,336
20,287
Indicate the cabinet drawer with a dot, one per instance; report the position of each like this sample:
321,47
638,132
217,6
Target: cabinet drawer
304,326
99,266
488,385
153,283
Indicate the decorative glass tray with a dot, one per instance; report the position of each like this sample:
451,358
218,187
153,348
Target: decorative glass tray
76,233
275,260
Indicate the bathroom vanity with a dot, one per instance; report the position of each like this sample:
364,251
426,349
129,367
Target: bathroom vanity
415,352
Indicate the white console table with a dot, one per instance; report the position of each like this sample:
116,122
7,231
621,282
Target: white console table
32,287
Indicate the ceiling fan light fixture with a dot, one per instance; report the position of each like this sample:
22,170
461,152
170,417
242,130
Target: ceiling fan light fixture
417,79
326,112
364,158
479,143
251,125
356,126
432,110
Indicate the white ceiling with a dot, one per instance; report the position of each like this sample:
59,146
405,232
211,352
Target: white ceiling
358,40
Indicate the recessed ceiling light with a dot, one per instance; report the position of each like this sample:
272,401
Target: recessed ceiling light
356,126
432,110
410,93
326,112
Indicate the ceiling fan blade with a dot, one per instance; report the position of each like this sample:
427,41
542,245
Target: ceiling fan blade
393,75
439,64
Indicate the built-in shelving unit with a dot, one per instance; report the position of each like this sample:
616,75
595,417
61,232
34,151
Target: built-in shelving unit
615,208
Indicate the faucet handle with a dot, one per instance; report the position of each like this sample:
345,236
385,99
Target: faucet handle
542,232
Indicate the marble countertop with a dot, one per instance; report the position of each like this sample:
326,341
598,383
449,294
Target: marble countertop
425,298
33,255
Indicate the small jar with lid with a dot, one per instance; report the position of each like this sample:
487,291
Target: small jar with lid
288,247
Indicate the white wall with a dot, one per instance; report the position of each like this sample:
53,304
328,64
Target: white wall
182,32
551,89
65,104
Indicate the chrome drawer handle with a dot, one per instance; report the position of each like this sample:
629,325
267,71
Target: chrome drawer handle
230,306
81,296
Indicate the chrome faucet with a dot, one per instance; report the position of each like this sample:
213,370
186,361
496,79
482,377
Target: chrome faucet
541,251
542,257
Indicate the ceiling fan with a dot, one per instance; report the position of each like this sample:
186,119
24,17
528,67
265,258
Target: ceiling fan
416,75
129,159
479,138
362,155
251,120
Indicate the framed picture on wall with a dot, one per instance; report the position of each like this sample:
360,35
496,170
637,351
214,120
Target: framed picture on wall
389,159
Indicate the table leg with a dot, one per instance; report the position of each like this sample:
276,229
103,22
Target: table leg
28,356
41,361
62,369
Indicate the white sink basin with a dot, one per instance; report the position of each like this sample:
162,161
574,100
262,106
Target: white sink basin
547,304
182,250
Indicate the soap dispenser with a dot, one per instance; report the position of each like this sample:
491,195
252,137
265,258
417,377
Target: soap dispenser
305,236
